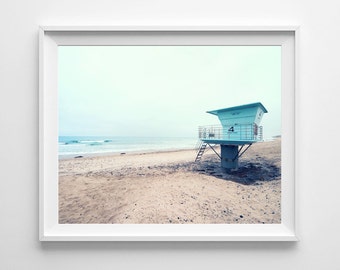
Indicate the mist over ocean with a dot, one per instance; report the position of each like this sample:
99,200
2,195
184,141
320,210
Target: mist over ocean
84,145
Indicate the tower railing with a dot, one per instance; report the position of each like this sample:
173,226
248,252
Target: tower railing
240,132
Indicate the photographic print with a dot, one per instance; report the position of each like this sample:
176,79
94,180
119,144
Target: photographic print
169,134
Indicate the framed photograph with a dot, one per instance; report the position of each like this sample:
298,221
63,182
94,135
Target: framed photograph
167,133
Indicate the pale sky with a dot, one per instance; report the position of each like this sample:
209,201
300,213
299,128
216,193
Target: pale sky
163,90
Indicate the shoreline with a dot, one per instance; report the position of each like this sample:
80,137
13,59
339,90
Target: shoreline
169,187
141,152
108,154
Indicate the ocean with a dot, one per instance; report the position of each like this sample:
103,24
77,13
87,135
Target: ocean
88,145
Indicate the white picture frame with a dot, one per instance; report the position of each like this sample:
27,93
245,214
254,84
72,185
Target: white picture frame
50,37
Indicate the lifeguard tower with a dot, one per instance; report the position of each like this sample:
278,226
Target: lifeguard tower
240,128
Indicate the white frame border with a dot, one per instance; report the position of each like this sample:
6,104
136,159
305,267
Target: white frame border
50,37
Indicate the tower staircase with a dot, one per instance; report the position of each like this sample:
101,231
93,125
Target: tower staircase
200,152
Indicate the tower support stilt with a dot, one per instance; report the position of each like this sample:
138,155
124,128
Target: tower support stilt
229,156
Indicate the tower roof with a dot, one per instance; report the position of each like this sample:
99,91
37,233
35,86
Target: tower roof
257,104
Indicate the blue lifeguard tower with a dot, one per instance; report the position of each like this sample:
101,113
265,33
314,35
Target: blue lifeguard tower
239,129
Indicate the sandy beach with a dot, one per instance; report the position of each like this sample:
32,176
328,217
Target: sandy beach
169,187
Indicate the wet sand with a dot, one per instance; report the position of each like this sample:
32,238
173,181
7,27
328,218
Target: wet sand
169,187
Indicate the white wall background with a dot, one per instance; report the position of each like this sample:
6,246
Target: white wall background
318,160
